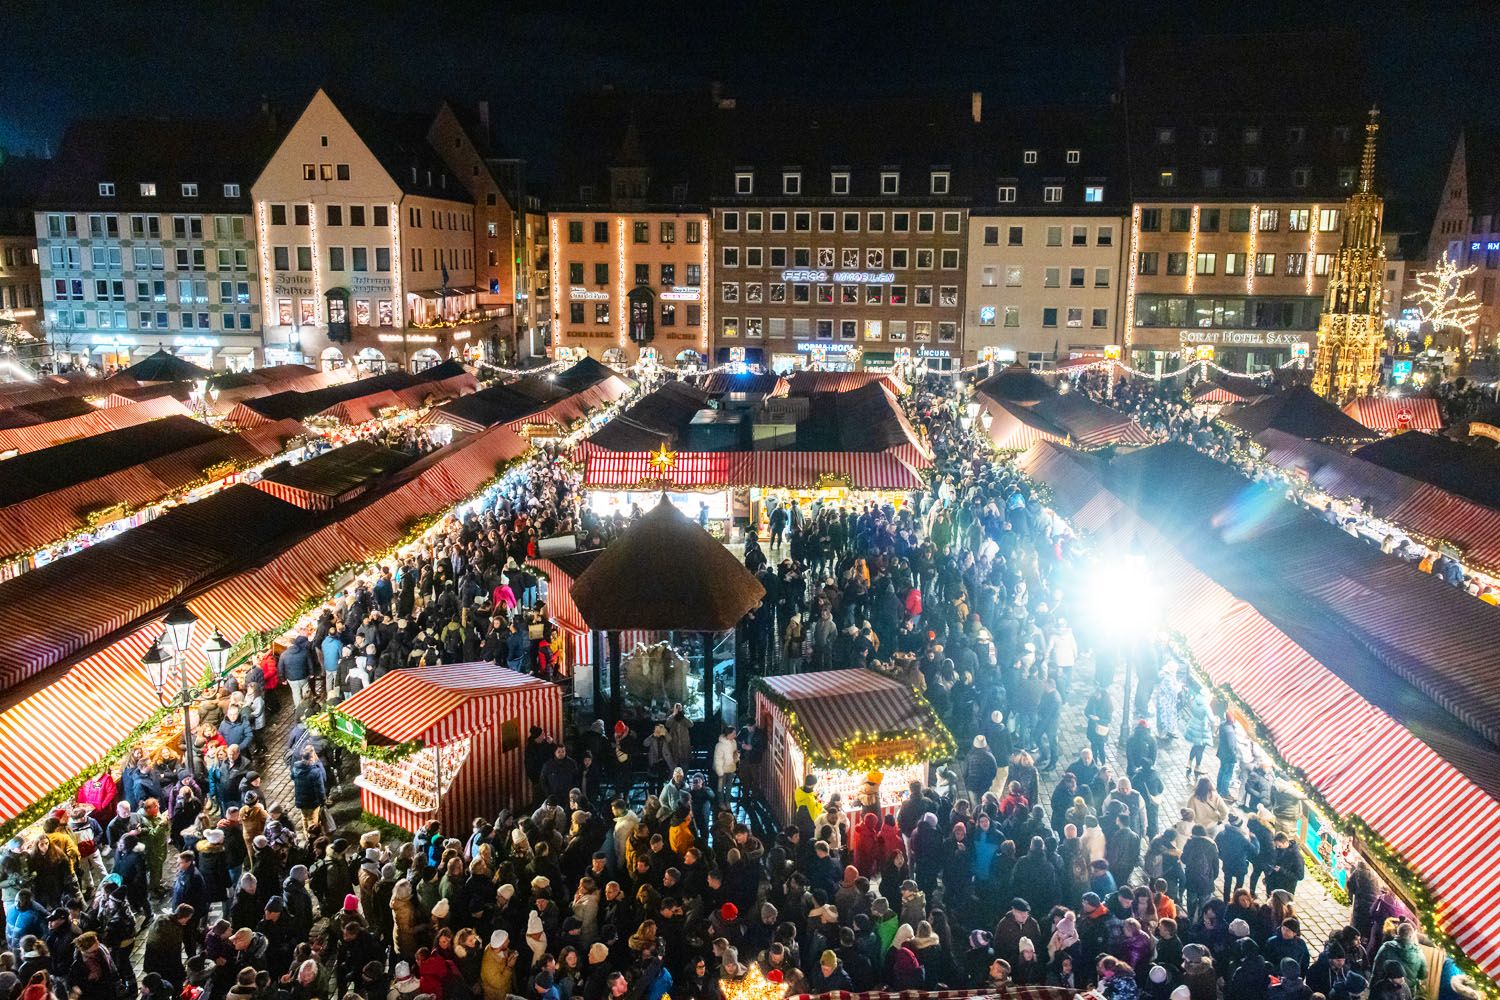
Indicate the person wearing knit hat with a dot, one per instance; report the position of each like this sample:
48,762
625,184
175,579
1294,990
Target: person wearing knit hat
1181,993
536,937
729,913
497,968
351,903
1239,928
405,984
505,893
440,909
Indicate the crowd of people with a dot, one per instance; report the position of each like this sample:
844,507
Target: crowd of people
1016,864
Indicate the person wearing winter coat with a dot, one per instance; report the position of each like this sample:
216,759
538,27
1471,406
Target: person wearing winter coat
237,730
295,666
498,967
903,968
309,786
407,920
866,846
725,764
980,768
1034,880
1403,949
1236,848
1291,985
1015,925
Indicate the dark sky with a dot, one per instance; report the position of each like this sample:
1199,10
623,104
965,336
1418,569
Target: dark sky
1431,63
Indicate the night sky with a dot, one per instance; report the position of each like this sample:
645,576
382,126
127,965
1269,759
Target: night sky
1431,69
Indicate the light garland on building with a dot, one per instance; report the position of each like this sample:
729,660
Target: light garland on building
1250,254
624,321
1135,248
400,302
1312,249
266,306
553,306
317,262
1192,268
706,283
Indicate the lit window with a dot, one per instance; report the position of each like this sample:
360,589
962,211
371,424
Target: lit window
986,315
189,190
1166,179
1094,193
106,190
148,189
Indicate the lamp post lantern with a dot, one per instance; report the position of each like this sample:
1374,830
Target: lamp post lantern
180,622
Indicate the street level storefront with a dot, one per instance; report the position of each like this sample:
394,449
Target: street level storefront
1240,350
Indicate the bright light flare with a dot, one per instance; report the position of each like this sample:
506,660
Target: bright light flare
1121,596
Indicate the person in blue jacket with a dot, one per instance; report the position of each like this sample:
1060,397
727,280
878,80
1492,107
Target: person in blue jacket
295,665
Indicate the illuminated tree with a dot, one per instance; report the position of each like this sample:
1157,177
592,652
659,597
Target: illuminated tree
1443,304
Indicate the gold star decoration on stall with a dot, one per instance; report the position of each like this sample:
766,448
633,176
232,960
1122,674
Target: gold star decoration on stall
663,460
755,986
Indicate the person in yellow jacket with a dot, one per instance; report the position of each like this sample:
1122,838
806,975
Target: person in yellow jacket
497,970
680,834
807,799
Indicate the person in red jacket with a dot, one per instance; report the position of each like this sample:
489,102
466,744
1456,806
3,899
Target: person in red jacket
869,853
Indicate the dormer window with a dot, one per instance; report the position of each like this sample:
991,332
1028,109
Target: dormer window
839,183
1005,193
231,190
106,189
890,182
1075,155
189,190
744,182
1029,156
939,181
791,182
148,189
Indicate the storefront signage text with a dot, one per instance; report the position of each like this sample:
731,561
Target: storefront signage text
804,275
585,295
411,338
680,293
1246,338
114,340
291,284
829,348
864,277
933,352
364,284
195,342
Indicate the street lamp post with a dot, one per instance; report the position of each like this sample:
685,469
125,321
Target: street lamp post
180,622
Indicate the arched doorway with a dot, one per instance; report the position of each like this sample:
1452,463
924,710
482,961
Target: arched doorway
332,358
642,314
425,359
370,360
615,356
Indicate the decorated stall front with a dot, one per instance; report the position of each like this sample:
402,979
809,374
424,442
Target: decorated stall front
863,734
445,743
662,602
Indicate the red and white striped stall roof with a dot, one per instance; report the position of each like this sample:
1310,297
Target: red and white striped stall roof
835,706
1363,761
1381,413
873,470
39,436
436,704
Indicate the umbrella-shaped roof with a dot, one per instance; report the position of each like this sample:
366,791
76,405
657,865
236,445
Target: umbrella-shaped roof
164,366
665,572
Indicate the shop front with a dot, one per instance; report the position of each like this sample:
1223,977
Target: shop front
828,356
1246,351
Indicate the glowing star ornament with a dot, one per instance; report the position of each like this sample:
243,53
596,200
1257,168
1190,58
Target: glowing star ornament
755,986
663,460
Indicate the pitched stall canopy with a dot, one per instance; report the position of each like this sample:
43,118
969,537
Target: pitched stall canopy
1016,384
164,366
237,387
1024,409
661,416
1229,389
1462,469
1394,672
1427,511
44,435
808,382
666,573
794,470
73,384
334,477
47,495
1381,413
476,715
362,396
726,383
1302,412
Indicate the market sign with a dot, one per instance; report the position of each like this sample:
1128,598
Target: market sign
826,346
1239,338
877,751
586,295
802,274
680,293
864,277
347,726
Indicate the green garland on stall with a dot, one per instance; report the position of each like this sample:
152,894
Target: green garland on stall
939,741
322,724
1394,865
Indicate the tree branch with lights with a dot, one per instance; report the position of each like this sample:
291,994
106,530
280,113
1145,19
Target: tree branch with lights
1442,303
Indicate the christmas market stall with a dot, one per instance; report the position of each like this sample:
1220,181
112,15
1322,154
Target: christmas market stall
1016,408
1300,411
572,642
861,733
662,602
1403,413
445,743
36,436
334,477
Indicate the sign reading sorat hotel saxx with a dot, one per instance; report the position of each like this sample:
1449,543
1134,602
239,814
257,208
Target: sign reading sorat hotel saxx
1243,338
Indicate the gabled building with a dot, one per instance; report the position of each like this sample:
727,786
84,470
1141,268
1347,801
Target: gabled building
1242,151
145,239
21,179
367,242
1467,223
841,231
628,229
1047,235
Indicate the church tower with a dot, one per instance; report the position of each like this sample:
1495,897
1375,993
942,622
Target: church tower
1351,330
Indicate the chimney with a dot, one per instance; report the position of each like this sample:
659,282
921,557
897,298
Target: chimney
483,109
976,105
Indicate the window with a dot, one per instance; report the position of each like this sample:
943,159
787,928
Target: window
778,256
1296,264
1298,220
1206,263
778,222
849,295
281,258
1093,193
1179,220
1150,220
898,295
1346,177
601,274
1165,136
1212,177
1052,193
952,221
1104,236
1255,177
601,232
1101,277
875,222
1013,275
791,182
826,221
754,222
848,329
987,277
643,274
991,236
1052,277
948,259
744,182
924,259
342,172
229,227
824,329
335,258
851,222
359,258
1322,264
187,227
693,231
1054,236
1005,193
839,182
641,232
1014,235
1251,135
1147,262
667,232
802,222
1049,316
849,258
825,257
890,182
1075,277
754,257
1028,156
101,226
1177,263
693,274
1074,155
1166,178
304,258
1234,264
1075,316
801,257
939,182
729,291
1300,176
948,296
1239,220
1099,319
575,312
825,294
1080,236
601,314
900,258
1269,220
148,189
300,214
575,232
1265,263
382,258
900,222
1328,219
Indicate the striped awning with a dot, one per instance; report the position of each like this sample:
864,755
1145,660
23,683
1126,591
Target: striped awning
39,436
800,470
437,704
560,606
837,707
1381,413
1361,758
